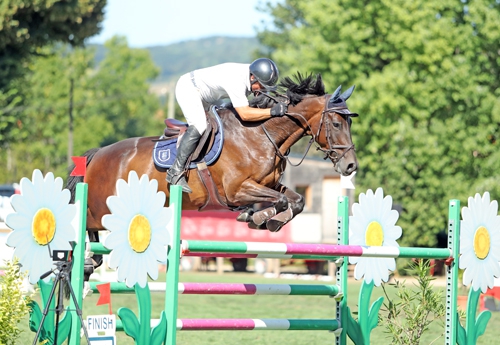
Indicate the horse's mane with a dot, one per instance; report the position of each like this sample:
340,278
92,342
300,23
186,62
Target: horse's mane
296,88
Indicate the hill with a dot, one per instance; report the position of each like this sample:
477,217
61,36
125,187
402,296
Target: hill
179,58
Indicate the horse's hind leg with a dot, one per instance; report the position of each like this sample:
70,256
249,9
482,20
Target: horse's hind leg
250,193
296,204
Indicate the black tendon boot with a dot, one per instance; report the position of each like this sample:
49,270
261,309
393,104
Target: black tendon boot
175,174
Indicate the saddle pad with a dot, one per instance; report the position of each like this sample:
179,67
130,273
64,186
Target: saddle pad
164,152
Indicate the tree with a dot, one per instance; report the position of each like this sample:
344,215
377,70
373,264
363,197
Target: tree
45,116
427,75
121,95
25,28
110,102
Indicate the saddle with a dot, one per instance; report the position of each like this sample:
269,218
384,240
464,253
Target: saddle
175,128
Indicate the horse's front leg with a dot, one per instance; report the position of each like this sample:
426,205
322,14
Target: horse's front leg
250,193
296,204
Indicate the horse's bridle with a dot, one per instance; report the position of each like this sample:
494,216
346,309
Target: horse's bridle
328,121
325,118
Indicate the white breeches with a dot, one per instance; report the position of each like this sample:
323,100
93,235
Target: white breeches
190,101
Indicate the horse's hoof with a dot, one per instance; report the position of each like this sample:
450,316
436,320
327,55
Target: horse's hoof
261,216
274,225
245,216
254,226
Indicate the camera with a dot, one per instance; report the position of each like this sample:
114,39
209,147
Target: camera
62,255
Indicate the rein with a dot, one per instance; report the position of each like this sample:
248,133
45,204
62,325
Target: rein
330,152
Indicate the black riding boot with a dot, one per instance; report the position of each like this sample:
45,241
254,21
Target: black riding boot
175,174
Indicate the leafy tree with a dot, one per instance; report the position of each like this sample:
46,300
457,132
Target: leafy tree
427,76
110,102
25,28
121,86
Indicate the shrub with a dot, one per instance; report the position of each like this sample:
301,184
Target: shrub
411,311
13,303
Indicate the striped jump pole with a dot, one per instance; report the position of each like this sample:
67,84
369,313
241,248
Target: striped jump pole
98,248
250,325
320,250
232,289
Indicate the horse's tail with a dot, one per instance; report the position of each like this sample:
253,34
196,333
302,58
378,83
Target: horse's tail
73,180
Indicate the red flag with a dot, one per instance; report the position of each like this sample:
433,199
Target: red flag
105,295
80,166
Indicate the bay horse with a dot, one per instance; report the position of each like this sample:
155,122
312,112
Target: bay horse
251,163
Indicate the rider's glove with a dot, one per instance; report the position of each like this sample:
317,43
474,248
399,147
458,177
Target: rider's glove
279,109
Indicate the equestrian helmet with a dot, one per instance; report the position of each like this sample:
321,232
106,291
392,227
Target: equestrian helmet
265,72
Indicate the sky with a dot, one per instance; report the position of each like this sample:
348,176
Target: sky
147,23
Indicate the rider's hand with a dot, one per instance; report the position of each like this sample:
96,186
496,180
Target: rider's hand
279,109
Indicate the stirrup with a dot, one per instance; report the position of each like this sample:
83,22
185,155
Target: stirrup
179,180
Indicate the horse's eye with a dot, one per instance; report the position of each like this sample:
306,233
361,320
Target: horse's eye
337,125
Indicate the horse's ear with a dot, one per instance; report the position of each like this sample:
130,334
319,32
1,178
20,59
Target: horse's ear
336,94
347,93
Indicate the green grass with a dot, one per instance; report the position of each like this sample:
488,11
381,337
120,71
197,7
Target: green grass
213,306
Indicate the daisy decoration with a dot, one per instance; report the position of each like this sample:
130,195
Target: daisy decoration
138,224
138,239
41,223
373,223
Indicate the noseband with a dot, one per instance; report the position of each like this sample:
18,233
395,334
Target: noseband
327,120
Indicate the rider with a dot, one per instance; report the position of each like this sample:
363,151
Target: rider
197,90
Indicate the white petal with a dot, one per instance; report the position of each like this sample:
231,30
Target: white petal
19,204
158,252
18,222
114,223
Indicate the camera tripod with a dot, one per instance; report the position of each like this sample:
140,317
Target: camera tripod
62,271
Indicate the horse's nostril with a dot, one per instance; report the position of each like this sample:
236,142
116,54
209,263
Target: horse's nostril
351,168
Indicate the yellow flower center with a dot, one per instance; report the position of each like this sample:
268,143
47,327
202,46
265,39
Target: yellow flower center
43,226
374,235
482,242
139,233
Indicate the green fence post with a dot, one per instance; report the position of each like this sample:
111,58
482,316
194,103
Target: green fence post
78,262
174,251
342,238
451,321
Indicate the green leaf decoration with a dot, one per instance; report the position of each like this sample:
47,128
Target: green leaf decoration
482,322
159,331
35,316
34,322
130,323
353,329
47,330
461,334
373,314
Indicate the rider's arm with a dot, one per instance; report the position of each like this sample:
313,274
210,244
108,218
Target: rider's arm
248,113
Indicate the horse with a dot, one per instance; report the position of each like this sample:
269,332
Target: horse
252,160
